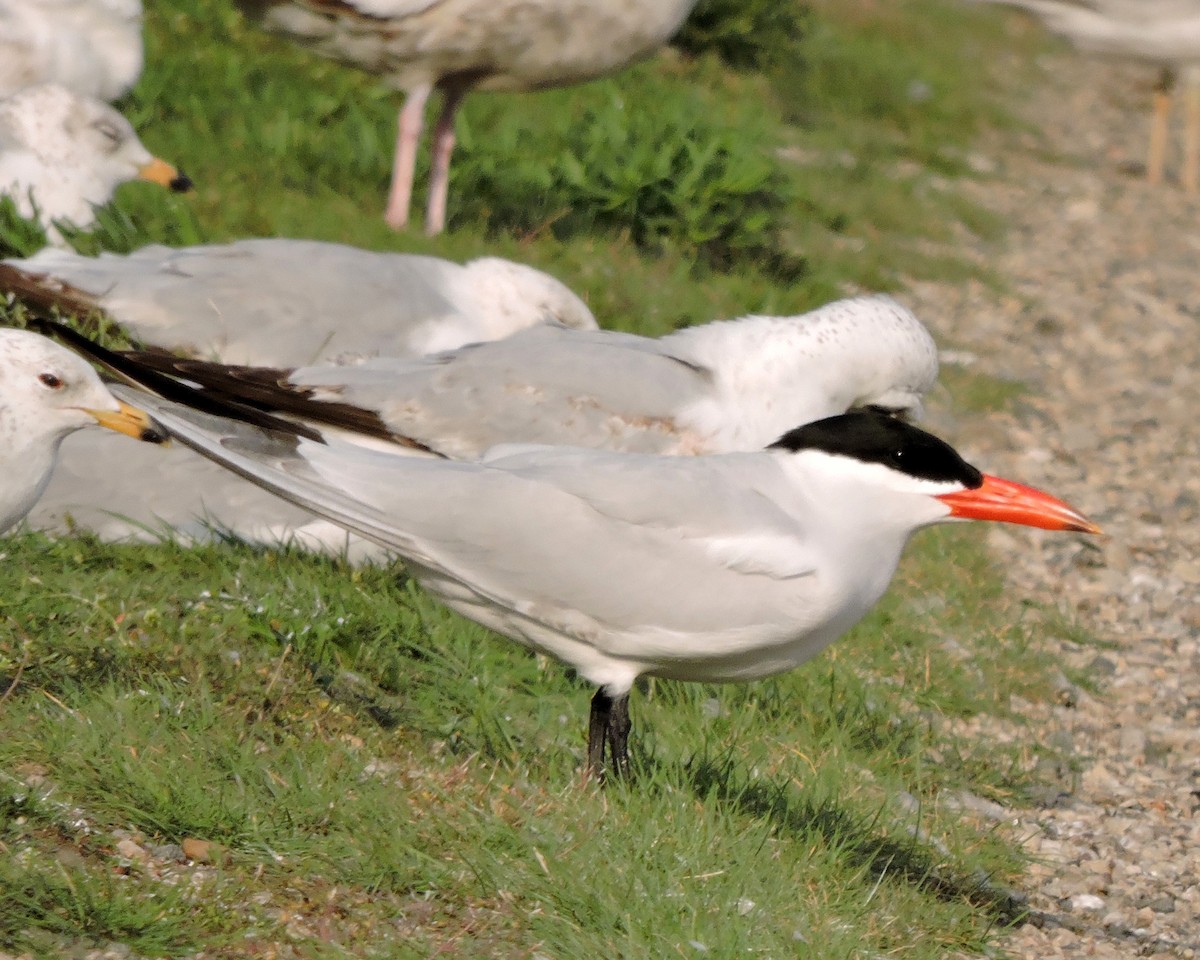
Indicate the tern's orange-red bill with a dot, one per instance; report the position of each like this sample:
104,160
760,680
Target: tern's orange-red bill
1011,502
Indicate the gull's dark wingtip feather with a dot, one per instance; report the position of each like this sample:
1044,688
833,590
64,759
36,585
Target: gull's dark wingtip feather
128,368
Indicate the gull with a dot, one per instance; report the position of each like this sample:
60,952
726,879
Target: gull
264,301
290,302
46,393
717,387
715,569
93,47
1162,32
63,154
456,46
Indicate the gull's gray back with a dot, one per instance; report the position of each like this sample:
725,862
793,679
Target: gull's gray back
543,385
271,302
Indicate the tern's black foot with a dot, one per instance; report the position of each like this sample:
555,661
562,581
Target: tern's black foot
618,737
608,725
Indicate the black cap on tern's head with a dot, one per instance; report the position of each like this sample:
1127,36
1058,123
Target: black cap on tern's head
873,436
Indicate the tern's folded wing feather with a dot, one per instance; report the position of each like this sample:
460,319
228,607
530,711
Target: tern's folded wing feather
530,546
734,504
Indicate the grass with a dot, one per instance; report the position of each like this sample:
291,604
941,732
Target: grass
169,694
973,393
769,190
378,777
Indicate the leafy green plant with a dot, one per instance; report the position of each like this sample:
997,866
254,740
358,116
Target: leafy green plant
746,34
667,180
671,181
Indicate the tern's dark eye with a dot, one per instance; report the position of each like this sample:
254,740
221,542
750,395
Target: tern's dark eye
51,381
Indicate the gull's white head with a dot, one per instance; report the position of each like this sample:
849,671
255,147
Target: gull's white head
771,373
47,393
511,296
903,364
70,153
868,351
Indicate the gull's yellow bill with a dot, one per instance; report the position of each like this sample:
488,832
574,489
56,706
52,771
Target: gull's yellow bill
132,422
165,175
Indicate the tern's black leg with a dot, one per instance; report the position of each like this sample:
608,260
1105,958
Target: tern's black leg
597,734
618,736
608,724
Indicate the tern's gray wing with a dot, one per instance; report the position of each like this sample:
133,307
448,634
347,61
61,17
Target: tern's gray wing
521,543
543,385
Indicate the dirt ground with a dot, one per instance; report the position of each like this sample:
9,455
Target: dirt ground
1100,317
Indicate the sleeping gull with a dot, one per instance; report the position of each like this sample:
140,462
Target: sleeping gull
725,386
62,155
1162,32
46,393
712,569
456,46
291,302
93,47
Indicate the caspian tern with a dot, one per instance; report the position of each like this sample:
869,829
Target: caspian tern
284,302
46,393
1162,32
461,45
722,568
69,153
714,388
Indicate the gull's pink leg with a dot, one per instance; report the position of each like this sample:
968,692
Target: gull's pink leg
1191,143
1158,130
439,173
408,135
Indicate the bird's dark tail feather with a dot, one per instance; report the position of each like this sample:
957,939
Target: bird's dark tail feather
237,391
128,368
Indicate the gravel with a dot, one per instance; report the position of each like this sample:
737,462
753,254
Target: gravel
1098,312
